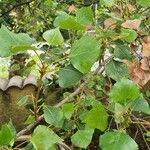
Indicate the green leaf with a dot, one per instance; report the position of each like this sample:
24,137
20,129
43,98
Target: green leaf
29,147
48,2
141,105
21,48
144,3
22,101
9,40
117,141
61,18
31,63
84,15
119,112
13,132
66,21
83,114
53,37
69,76
128,35
15,67
69,125
97,117
53,116
82,138
124,92
123,52
30,119
109,3
7,134
68,110
84,53
89,101
52,148
148,136
116,70
44,138
70,23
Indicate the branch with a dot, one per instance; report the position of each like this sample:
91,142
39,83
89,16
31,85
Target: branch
29,127
40,118
143,137
26,138
142,134
143,123
15,6
76,92
64,146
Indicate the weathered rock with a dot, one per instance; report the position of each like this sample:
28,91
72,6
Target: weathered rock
12,90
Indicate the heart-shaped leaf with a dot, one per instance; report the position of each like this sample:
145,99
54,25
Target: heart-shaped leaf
53,37
84,53
53,116
44,138
84,16
141,105
82,138
97,117
65,21
117,141
124,92
10,41
116,70
7,134
69,76
128,35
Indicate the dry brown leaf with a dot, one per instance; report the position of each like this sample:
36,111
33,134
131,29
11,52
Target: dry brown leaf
90,28
117,11
141,77
137,74
134,49
146,47
145,64
109,23
146,39
72,9
132,24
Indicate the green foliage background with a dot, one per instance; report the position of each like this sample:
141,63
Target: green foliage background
65,39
